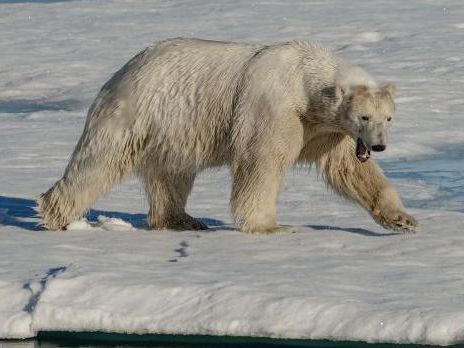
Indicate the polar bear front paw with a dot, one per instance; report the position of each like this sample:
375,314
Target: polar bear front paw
397,220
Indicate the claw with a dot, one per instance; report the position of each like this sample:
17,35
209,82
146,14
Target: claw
401,222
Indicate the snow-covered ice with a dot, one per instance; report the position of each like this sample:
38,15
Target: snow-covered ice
341,277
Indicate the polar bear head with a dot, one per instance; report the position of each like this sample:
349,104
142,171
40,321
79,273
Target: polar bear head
366,113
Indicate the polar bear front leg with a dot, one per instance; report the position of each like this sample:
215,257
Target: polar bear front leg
365,184
388,211
255,190
258,171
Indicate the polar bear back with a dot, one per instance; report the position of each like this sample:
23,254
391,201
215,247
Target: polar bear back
179,97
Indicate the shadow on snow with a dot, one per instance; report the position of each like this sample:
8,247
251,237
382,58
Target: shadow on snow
31,1
27,106
353,230
18,212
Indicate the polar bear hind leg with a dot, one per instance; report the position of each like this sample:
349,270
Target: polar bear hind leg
100,160
167,196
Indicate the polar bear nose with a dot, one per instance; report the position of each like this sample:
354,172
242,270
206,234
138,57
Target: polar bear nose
378,148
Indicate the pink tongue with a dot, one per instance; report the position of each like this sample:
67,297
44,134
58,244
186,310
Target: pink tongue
362,153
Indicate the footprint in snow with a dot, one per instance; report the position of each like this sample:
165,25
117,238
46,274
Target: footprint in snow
182,251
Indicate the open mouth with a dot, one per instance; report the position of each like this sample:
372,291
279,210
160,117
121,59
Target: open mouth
362,152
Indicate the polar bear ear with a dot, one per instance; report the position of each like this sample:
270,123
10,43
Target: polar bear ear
340,92
390,88
335,93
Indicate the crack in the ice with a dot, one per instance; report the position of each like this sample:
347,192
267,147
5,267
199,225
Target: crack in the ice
35,295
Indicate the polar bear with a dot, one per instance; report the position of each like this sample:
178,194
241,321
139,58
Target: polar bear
183,105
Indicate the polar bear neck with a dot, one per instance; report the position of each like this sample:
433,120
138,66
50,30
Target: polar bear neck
348,75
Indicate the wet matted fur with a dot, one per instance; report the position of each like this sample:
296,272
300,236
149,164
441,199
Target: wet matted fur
183,105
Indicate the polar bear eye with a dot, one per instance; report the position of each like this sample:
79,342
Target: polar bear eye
365,118
389,119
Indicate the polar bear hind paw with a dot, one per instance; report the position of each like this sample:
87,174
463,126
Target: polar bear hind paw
184,222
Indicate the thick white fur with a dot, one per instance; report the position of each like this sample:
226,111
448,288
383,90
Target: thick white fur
349,74
184,105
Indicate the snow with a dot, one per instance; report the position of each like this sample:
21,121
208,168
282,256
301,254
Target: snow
341,277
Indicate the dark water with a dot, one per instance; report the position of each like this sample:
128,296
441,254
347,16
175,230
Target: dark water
100,340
